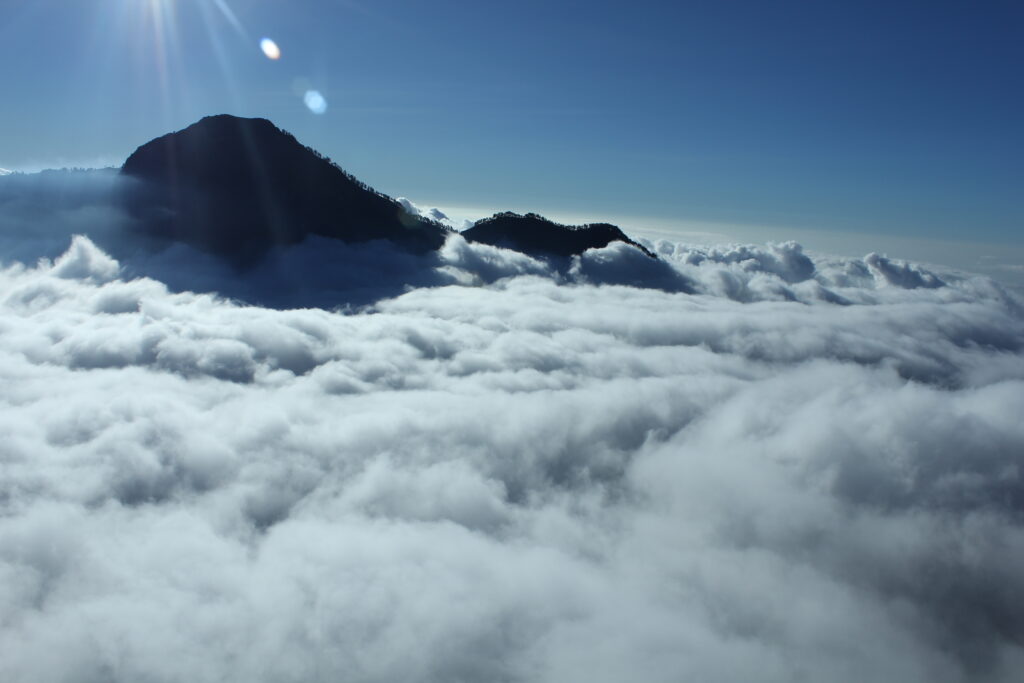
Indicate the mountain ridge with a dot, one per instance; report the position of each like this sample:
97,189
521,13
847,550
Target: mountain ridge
536,235
236,187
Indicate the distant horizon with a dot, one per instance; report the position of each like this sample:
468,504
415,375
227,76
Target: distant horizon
735,218
1003,261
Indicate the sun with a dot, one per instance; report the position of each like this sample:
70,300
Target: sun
164,34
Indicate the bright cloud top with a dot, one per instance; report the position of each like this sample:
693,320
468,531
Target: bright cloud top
527,479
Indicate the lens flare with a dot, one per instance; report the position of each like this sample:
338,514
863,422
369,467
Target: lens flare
316,102
270,49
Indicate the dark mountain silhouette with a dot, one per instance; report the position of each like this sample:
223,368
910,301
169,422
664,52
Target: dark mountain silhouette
537,236
236,187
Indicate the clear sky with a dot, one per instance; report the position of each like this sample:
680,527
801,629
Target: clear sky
901,118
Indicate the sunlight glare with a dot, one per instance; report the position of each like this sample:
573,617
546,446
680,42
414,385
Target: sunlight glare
270,49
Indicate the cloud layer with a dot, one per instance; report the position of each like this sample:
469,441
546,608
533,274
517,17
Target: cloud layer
799,470
39,214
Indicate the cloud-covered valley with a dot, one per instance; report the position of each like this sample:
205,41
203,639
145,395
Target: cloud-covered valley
727,463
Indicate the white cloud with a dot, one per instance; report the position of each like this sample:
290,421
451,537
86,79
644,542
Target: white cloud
802,469
84,261
435,214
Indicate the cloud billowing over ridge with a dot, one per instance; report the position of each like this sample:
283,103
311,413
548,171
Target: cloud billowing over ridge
767,466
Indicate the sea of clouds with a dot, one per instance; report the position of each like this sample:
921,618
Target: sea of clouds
729,463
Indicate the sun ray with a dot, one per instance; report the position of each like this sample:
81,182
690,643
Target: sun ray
155,16
220,52
232,19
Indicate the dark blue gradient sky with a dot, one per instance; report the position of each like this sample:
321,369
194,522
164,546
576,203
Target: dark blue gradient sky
902,118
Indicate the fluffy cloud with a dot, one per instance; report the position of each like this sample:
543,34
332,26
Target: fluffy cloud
436,214
431,213
768,467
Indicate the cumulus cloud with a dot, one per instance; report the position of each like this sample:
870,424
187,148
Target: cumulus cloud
432,213
766,467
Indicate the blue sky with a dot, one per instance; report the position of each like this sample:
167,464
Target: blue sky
893,118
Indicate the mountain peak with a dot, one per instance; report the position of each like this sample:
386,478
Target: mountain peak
237,186
231,118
